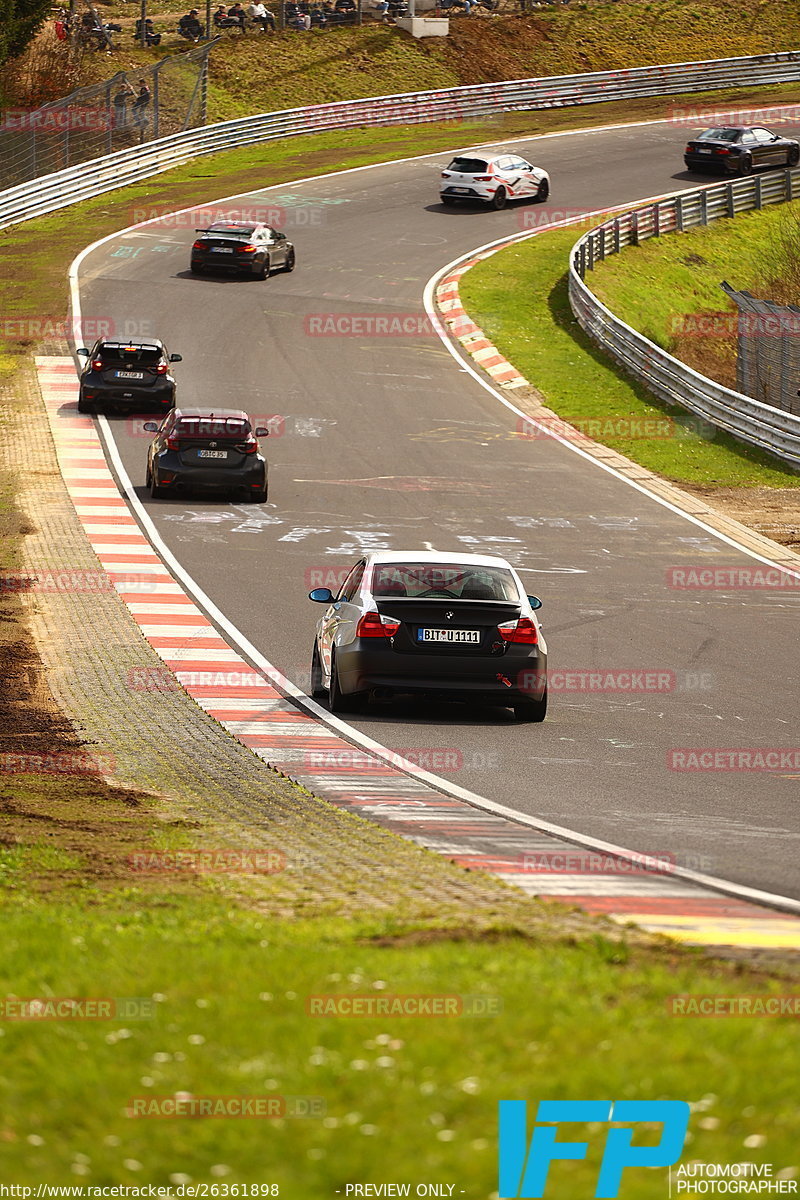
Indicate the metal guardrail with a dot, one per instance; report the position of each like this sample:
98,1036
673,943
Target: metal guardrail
73,184
670,379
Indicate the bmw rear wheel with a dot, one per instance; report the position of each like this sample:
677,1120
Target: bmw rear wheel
338,702
793,156
745,165
156,492
500,198
316,687
265,269
527,711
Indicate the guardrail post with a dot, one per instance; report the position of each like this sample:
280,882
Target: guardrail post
656,220
757,182
679,214
789,184
590,252
704,207
634,229
731,197
601,243
617,236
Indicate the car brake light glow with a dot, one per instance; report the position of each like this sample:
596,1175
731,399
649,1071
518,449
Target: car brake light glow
483,178
199,245
373,625
97,364
246,249
721,150
161,369
521,631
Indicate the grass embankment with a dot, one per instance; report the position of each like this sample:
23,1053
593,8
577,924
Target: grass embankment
519,297
669,288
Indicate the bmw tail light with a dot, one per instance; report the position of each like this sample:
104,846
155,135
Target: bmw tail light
246,249
199,245
373,625
689,149
722,150
522,632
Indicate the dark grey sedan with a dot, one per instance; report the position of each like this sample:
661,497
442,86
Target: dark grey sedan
738,149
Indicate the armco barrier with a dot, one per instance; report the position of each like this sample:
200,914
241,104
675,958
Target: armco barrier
749,420
50,192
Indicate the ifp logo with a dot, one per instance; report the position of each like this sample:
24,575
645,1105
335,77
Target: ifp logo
524,1169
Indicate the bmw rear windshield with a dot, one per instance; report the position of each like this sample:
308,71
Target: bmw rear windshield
443,581
468,166
233,230
719,135
144,356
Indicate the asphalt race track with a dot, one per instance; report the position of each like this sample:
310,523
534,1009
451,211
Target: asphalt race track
386,443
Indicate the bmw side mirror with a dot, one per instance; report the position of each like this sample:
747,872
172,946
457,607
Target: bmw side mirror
534,601
83,351
262,431
176,358
150,426
321,595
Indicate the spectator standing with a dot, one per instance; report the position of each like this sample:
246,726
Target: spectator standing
121,104
140,106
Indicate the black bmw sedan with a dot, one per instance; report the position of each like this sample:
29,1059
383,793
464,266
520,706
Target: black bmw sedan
441,625
738,149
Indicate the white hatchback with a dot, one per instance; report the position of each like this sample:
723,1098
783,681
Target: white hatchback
493,180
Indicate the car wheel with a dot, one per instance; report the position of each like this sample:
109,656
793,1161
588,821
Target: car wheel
196,268
448,199
262,496
156,493
500,198
317,687
543,190
83,405
290,261
745,165
531,710
266,267
338,702
793,157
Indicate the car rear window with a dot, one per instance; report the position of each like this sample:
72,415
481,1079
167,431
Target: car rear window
212,427
467,582
145,356
719,135
469,166
235,230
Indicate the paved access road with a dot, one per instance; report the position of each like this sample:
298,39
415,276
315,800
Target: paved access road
388,444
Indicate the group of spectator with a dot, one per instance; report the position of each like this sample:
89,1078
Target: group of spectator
298,14
139,110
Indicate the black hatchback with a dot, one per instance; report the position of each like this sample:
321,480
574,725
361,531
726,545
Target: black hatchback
245,249
737,149
130,375
214,448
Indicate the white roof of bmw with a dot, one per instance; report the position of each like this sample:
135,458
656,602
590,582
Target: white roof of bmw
433,556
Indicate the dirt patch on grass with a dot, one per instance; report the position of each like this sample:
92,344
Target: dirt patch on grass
773,512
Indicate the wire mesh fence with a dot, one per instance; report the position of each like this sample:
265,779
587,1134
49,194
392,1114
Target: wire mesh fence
130,108
767,350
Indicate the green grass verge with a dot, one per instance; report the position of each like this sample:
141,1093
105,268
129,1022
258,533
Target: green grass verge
405,1099
519,297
